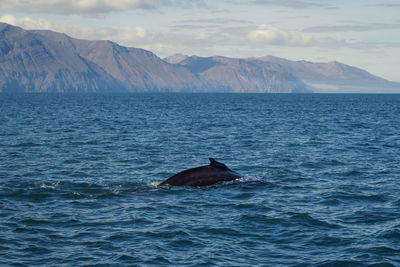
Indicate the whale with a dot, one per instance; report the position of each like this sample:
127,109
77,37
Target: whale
210,174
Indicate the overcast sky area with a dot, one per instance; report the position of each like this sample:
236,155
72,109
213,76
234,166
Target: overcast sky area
361,33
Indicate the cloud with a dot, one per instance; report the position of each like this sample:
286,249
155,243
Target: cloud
26,22
390,5
355,28
218,21
339,28
160,43
212,24
92,7
288,3
266,34
123,35
203,42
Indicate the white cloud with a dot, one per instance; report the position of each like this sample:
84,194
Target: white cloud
162,44
353,28
201,36
26,22
124,35
91,7
265,34
270,35
168,43
288,3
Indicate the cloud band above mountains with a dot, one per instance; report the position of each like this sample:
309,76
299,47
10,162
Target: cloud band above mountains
92,7
266,34
165,43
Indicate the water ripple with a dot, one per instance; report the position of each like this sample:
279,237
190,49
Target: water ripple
79,176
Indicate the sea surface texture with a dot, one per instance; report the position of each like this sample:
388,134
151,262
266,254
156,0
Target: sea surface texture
79,175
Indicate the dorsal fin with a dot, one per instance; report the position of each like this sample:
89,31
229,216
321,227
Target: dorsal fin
215,163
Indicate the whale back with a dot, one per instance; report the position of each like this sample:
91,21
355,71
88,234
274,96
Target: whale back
202,176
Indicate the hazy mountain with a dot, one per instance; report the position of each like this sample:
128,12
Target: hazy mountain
297,75
332,76
46,61
242,75
274,74
331,71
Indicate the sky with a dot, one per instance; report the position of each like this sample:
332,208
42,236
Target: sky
361,33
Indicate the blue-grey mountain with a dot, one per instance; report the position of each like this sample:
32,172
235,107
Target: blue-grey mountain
47,61
333,76
29,62
241,75
319,77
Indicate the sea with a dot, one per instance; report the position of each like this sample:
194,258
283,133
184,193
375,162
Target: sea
79,176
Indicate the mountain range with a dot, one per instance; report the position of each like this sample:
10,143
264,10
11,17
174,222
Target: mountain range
47,61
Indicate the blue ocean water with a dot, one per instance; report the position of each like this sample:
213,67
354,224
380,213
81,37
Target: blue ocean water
78,176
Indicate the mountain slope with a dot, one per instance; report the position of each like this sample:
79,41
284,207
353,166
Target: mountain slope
136,69
31,63
331,71
241,75
273,74
332,77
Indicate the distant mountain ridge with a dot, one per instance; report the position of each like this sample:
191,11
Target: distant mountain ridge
321,77
47,61
331,71
242,75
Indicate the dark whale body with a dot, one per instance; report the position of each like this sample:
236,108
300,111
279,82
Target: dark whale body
202,176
